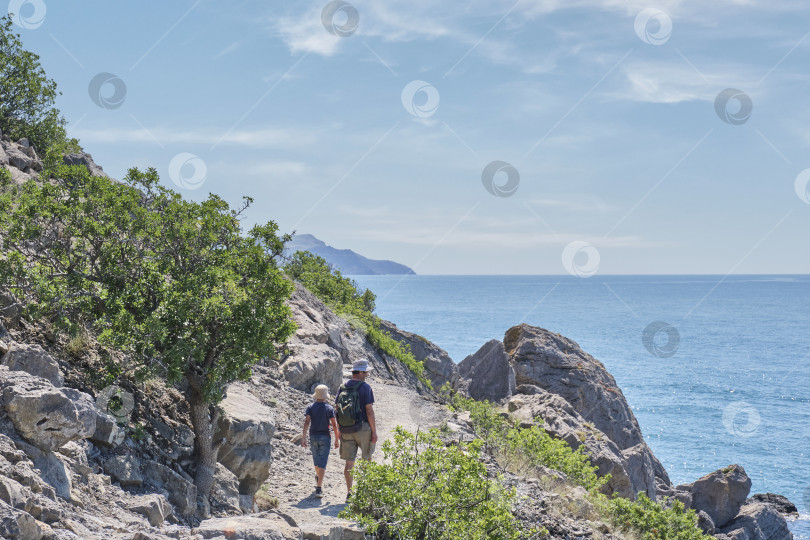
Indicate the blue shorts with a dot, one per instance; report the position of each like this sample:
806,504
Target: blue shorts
319,445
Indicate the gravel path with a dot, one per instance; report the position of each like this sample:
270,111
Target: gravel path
292,478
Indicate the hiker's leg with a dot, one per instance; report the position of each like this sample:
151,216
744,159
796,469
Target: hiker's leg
320,472
347,472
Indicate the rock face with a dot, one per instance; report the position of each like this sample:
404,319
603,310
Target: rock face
34,360
44,415
324,346
720,494
247,428
758,521
85,160
576,397
487,374
779,503
181,492
439,367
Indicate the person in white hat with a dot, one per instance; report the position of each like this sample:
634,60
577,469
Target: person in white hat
354,405
318,416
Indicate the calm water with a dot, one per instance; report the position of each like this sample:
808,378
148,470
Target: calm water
727,382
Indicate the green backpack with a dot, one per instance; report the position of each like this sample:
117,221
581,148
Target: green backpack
347,407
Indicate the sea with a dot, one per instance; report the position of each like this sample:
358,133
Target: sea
715,368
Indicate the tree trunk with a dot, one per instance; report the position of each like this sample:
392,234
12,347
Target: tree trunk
203,419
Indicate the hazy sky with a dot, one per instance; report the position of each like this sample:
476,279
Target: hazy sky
629,137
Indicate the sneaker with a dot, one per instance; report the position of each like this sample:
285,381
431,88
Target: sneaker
318,492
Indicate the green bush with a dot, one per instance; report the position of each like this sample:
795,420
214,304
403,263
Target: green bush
530,446
27,96
653,520
426,490
344,297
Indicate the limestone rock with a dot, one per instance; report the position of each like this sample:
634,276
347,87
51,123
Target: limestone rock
85,160
780,503
126,469
107,431
225,494
439,367
34,360
247,427
246,528
758,521
487,374
154,507
53,470
16,524
42,414
313,365
181,492
720,494
10,309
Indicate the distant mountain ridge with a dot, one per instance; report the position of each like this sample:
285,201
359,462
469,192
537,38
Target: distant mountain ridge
346,260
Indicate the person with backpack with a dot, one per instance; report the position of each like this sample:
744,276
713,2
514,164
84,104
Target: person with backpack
318,416
355,417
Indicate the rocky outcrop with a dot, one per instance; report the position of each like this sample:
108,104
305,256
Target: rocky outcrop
86,160
43,414
757,521
439,367
178,489
720,494
246,428
34,360
576,398
487,374
779,503
324,346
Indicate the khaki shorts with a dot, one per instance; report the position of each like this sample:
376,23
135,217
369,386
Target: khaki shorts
349,442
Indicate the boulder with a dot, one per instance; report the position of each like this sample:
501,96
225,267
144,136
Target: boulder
780,503
246,427
86,160
758,521
53,471
10,309
19,159
108,432
44,415
487,374
126,469
154,507
18,525
182,493
720,494
34,360
247,528
225,494
312,365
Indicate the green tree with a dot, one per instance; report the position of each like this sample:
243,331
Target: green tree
174,283
27,96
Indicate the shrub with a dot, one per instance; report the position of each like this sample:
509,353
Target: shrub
530,446
654,521
427,490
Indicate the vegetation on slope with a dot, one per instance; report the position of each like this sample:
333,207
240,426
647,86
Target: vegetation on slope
343,296
173,283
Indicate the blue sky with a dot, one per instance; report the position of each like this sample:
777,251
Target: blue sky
604,112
